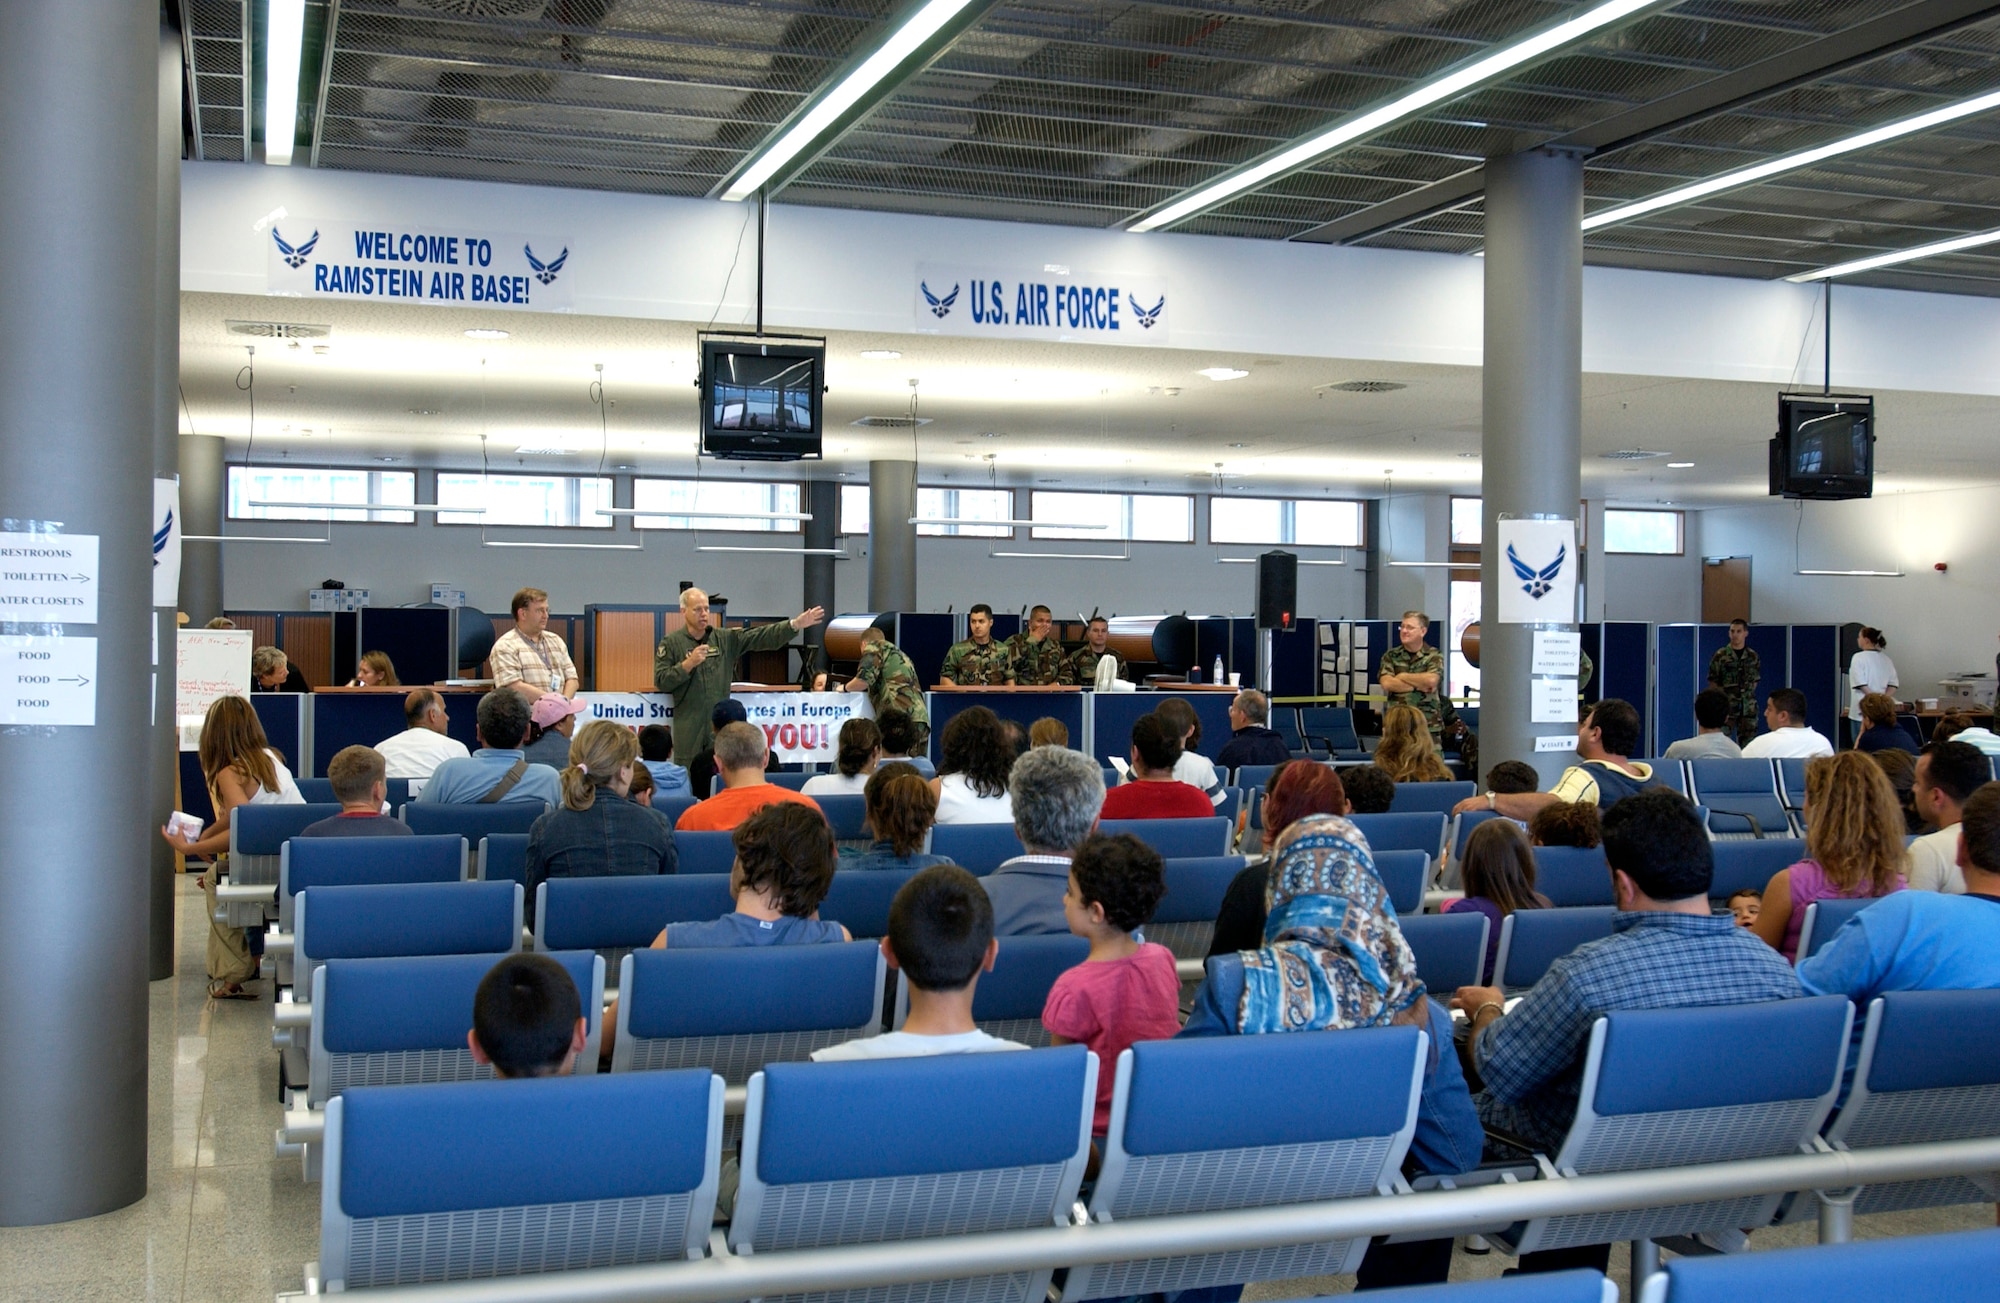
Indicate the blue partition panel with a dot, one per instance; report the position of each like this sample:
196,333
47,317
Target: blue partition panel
1677,677
925,639
416,638
1006,624
194,790
1294,661
1115,713
1815,671
345,719
1026,707
281,714
1626,655
1593,647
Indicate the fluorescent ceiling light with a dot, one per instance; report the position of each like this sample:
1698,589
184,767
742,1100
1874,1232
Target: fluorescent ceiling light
880,354
1019,524
1870,574
1870,263
821,117
1065,556
839,554
1438,89
1251,561
247,538
655,512
1792,162
1680,465
1436,565
369,506
1222,373
284,38
484,332
566,547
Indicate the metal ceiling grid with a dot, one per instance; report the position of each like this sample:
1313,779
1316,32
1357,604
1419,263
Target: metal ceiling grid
215,47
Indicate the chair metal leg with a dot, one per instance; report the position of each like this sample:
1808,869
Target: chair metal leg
1645,1263
1836,1216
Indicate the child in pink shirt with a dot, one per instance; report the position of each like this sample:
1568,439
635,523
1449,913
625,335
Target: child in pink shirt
1124,991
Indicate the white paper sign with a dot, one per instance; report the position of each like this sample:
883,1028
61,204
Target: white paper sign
210,663
1552,701
47,679
804,727
1557,652
48,578
1537,571
1555,742
166,543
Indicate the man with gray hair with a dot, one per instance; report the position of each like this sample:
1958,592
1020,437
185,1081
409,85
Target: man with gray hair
1251,742
1056,795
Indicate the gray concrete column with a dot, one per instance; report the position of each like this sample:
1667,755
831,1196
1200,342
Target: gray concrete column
79,101
164,748
1532,388
204,476
822,499
892,539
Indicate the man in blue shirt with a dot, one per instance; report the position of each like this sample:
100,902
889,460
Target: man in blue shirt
1666,951
497,771
1057,794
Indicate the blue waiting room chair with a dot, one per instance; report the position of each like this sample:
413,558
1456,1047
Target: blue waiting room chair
1008,1001
978,848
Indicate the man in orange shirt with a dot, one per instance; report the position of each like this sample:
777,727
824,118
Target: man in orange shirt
739,765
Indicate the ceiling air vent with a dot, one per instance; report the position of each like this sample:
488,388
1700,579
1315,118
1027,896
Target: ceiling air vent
892,422
279,329
1366,386
1631,454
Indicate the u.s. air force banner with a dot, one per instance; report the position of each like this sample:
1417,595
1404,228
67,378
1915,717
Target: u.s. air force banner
1056,302
801,727
1537,571
418,264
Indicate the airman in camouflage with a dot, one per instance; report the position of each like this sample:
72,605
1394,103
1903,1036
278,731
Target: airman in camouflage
978,660
1080,667
891,682
1734,671
1035,657
1412,672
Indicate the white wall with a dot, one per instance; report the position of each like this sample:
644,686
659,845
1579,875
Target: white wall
1937,624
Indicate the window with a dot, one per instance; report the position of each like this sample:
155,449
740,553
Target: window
1651,533
854,508
1142,517
559,501
951,504
1307,522
248,484
1467,525
749,497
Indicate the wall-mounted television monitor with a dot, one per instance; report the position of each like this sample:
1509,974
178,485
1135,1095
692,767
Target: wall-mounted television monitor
1824,448
760,398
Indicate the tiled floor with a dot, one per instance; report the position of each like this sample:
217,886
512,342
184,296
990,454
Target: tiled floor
225,1219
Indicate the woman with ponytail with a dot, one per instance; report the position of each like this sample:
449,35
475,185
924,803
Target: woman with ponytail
598,831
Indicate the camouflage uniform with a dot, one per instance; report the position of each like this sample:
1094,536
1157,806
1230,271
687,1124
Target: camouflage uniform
1034,664
968,664
696,692
1736,673
893,685
1425,660
1080,667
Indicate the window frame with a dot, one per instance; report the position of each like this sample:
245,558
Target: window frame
1120,534
716,525
1680,530
1288,516
991,532
318,515
572,489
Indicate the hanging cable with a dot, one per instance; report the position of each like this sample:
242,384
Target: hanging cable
246,381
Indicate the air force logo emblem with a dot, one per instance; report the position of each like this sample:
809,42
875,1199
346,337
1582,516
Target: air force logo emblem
294,257
1536,583
546,272
1147,316
161,535
940,307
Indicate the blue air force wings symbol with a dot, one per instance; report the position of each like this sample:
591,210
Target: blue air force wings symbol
1146,316
939,306
546,272
161,535
294,257
1536,583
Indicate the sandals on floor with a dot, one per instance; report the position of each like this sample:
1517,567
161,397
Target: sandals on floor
222,991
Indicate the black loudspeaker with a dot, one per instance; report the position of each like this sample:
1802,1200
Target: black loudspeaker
1277,590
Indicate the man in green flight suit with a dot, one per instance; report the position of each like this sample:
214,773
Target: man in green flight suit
1412,673
890,680
696,663
978,660
1034,656
1733,671
1081,667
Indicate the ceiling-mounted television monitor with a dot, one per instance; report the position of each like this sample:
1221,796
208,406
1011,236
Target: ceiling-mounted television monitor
1824,448
760,398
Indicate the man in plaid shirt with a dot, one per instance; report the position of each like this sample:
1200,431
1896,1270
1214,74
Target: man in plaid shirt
1666,950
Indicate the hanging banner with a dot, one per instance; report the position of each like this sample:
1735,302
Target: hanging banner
1056,302
799,727
167,542
418,264
1537,571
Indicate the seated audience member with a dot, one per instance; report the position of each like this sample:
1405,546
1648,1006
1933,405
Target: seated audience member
1667,950
901,809
498,771
598,831
551,725
358,784
1900,768
1193,768
1406,752
1048,731
271,671
941,937
527,1019
740,759
1958,727
1369,790
1498,869
1880,731
1854,847
1332,957
375,670
1605,738
860,751
1251,740
219,622
1056,794
899,739
977,756
1125,990
784,866
1947,775
642,789
1712,740
1923,940
1789,737
1017,736
656,750
1297,790
1745,903
1153,792
417,751
1512,777
1566,823
701,770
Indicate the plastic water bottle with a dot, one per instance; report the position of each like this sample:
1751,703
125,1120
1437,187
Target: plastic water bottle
1218,670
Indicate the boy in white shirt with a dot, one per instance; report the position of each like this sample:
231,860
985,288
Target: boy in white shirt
1785,714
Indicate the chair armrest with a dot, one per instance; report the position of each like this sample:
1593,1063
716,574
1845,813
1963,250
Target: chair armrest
277,943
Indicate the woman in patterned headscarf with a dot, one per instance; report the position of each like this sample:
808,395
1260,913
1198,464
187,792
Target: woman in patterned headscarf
1334,958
